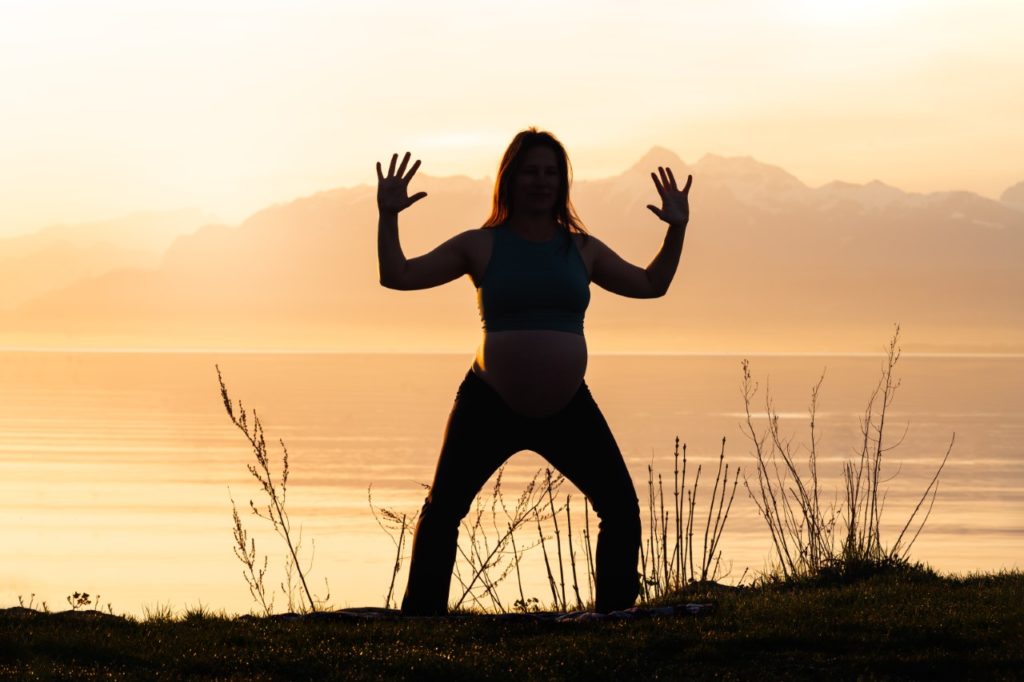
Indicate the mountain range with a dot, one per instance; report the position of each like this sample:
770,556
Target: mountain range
769,264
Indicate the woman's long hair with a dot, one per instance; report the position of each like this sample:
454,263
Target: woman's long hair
501,209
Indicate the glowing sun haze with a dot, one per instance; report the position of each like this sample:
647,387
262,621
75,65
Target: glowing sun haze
112,107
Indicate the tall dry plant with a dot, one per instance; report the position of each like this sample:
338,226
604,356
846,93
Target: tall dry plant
398,526
494,538
789,499
275,511
492,547
488,552
255,575
788,495
668,553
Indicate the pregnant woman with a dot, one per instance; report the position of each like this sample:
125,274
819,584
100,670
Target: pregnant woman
532,263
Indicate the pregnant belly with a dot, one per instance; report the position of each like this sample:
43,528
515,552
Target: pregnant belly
536,372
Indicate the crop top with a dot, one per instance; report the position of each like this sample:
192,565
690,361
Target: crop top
533,285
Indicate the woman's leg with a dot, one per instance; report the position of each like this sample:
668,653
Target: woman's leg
476,442
578,442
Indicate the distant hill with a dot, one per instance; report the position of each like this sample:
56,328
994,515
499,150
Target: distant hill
54,257
1014,196
769,264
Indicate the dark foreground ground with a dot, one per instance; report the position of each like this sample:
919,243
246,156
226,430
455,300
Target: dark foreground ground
884,628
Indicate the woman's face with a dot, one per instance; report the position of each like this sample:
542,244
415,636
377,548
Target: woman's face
537,182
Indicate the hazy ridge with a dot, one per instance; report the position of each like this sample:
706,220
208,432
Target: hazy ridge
769,264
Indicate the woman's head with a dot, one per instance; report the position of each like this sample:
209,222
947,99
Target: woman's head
534,176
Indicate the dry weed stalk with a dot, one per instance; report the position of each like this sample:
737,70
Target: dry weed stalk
801,532
489,551
488,562
397,526
245,550
588,548
789,499
668,553
275,511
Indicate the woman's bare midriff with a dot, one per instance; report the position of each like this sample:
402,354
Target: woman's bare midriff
536,372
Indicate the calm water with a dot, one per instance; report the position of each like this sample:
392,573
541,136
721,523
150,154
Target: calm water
115,468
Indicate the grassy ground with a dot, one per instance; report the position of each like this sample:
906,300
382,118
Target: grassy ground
883,628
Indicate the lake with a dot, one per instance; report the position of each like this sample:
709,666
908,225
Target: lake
117,468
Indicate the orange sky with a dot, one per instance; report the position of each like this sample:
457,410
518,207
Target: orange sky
116,106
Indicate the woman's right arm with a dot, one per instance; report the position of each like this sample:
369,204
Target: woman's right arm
448,261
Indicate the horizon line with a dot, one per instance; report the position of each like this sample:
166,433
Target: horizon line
637,353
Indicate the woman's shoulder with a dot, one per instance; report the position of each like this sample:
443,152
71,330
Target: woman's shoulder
476,235
477,243
481,235
587,242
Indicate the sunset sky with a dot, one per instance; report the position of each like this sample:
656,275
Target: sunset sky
117,106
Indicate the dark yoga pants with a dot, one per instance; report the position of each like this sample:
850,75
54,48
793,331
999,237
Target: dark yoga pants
482,433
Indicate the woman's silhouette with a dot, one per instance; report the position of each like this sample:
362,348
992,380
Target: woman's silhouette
532,263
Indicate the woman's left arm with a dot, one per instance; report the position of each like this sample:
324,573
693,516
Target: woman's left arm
613,273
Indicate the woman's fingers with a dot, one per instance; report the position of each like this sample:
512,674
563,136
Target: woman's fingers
412,171
657,186
392,188
400,171
397,173
674,201
668,180
405,161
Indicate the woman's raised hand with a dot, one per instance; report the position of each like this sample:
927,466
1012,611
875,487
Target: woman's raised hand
393,190
675,202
